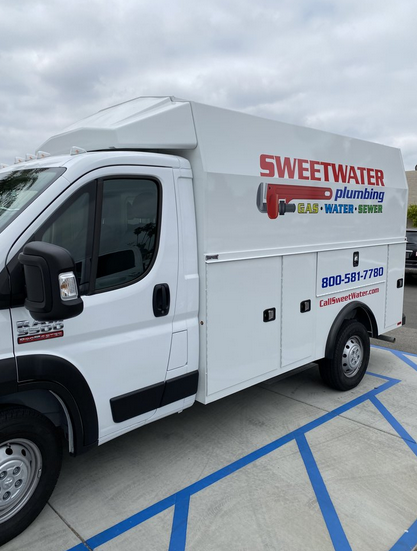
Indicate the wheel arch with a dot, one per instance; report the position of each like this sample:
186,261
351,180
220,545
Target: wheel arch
354,311
46,402
53,386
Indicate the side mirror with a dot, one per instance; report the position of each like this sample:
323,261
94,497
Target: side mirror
51,286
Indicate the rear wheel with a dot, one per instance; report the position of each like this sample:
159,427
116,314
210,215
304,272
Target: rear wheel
346,368
30,462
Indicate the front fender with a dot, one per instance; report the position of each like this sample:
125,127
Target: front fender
41,371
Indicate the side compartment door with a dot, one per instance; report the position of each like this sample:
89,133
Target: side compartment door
395,287
120,226
299,327
243,324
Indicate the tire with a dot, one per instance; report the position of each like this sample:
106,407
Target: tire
346,368
30,462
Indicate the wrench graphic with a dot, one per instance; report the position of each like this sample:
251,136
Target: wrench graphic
277,197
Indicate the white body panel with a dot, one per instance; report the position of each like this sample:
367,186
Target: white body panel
299,330
241,349
335,270
395,271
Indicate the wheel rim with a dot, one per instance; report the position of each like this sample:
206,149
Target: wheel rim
20,471
352,356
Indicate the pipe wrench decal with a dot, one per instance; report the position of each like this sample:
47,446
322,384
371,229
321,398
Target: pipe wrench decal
275,198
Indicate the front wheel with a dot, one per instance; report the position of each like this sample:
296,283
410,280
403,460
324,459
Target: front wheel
346,368
30,462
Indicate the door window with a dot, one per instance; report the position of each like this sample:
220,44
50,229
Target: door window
70,228
121,246
128,232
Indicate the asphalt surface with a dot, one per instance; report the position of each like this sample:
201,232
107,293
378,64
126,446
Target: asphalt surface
406,336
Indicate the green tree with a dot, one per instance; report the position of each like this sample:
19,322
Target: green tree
412,214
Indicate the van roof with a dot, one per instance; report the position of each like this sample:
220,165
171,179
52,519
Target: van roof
160,123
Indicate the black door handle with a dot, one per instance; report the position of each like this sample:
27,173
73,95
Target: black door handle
161,300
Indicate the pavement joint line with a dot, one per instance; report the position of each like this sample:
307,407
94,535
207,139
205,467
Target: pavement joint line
82,540
181,499
377,429
343,416
402,433
324,410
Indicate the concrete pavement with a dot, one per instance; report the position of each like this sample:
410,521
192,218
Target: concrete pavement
287,465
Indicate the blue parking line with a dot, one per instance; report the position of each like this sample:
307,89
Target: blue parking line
393,350
408,540
179,523
403,357
408,439
181,500
334,526
127,524
142,516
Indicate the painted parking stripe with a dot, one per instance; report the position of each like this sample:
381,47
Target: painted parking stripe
408,439
408,540
179,523
403,356
170,501
181,499
128,524
334,526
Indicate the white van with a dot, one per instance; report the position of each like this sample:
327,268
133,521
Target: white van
161,252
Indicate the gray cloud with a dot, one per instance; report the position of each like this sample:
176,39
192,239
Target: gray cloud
346,66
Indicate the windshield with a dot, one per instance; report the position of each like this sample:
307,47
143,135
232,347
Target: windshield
20,187
412,237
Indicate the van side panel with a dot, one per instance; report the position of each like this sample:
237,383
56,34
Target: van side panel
333,191
299,312
243,325
351,269
395,289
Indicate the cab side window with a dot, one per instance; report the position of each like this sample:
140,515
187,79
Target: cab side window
69,229
110,227
128,231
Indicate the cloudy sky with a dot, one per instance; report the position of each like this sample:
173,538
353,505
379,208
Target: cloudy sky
347,66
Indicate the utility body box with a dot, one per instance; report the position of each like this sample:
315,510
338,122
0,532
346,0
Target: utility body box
184,252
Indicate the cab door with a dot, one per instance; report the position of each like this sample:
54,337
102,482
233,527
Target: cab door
120,226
